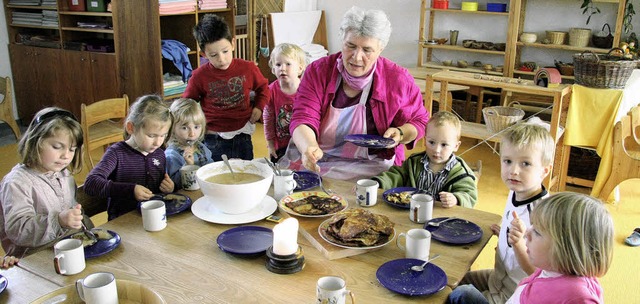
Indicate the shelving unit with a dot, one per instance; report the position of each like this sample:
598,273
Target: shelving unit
428,21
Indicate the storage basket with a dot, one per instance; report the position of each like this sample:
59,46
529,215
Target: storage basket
556,37
602,71
604,42
579,37
499,118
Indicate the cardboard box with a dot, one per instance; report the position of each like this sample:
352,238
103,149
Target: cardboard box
96,5
77,5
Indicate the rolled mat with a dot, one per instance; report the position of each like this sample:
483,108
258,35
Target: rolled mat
547,77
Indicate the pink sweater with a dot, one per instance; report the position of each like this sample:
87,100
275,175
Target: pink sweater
563,289
395,99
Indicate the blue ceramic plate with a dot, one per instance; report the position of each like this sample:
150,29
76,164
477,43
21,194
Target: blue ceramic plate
456,232
174,202
246,240
369,141
306,180
397,276
3,283
102,246
385,196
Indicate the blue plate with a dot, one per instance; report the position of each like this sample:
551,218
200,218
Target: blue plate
306,180
174,202
456,232
3,283
397,276
246,240
369,141
397,190
102,247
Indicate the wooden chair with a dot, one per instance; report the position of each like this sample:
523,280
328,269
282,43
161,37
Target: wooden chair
626,156
6,105
98,123
91,205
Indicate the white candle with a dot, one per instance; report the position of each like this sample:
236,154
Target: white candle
285,237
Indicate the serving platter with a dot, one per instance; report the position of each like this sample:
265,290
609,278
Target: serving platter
3,283
455,232
204,209
245,240
322,230
397,276
386,194
301,195
369,141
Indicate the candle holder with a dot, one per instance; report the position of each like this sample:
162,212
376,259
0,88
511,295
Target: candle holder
285,264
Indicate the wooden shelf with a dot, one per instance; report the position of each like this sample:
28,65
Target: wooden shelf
88,30
35,26
564,47
517,72
33,7
478,131
454,68
91,14
459,11
461,49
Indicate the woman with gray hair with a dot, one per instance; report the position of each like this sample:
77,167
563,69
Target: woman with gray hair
355,91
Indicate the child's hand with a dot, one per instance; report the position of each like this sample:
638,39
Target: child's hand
256,114
166,186
8,261
310,158
447,199
188,155
495,228
271,147
517,230
141,193
71,218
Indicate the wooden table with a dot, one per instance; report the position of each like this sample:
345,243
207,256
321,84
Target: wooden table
560,95
183,264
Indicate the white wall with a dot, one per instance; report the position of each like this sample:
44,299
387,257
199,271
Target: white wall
405,21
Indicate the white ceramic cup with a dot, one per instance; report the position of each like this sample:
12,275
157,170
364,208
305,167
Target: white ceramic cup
417,243
332,290
68,257
367,192
98,288
421,208
283,184
154,215
188,177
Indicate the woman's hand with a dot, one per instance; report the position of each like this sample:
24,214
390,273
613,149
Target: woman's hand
256,114
141,193
394,134
310,158
167,185
8,261
71,218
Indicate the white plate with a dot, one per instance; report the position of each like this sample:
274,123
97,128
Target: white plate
204,210
300,195
323,234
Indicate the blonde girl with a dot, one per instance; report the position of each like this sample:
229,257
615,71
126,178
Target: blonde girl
185,145
37,198
287,63
133,170
570,242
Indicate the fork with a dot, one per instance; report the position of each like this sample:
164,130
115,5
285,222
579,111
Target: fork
437,224
327,191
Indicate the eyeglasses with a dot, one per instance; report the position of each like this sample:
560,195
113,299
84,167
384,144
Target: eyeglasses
55,113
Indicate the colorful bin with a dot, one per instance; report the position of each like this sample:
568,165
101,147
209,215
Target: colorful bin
440,4
469,6
77,5
96,5
497,7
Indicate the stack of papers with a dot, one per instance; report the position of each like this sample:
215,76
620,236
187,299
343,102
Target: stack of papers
25,2
173,84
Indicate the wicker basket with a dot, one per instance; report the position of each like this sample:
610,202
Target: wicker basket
500,118
604,42
602,71
579,37
556,37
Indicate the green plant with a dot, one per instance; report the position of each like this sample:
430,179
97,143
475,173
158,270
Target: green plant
588,7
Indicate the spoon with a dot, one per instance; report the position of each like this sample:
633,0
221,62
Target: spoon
226,162
421,267
437,224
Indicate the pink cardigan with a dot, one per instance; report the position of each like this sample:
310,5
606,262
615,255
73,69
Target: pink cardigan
395,99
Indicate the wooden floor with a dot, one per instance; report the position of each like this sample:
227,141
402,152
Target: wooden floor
492,198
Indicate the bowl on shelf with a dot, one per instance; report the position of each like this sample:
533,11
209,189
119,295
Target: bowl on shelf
477,45
528,37
441,40
235,197
446,62
500,46
463,64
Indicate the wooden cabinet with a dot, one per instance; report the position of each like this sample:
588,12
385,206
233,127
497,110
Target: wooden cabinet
89,77
429,21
